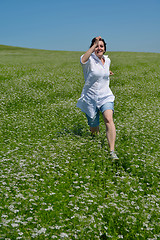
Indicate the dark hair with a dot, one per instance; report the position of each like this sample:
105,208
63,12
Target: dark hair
93,41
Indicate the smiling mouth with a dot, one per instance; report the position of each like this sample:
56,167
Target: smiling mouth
99,51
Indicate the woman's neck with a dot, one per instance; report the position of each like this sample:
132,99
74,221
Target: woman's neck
102,60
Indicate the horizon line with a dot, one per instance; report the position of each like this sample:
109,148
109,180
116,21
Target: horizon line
43,49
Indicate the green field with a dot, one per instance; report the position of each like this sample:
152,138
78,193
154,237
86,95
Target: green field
57,182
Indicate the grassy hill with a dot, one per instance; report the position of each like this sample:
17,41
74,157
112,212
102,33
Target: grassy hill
57,182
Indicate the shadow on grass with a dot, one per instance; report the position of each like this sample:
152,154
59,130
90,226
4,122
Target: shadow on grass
104,237
76,130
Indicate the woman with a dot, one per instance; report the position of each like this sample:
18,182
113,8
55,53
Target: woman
96,95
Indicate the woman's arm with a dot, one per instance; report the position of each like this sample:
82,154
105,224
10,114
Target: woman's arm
90,51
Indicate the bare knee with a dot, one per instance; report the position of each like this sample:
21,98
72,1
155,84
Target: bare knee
108,120
108,117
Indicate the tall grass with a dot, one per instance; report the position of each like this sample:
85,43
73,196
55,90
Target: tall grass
57,182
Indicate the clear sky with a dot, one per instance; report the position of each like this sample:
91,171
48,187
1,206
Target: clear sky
126,25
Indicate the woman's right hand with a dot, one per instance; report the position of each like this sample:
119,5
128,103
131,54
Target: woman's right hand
90,50
97,40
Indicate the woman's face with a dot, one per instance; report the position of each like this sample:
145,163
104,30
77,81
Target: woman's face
99,50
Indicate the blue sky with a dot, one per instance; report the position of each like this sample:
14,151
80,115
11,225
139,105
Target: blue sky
126,25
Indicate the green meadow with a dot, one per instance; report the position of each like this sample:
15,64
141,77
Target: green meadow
56,181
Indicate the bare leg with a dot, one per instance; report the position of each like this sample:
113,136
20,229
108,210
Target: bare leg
94,130
110,128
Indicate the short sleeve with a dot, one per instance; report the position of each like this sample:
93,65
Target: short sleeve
86,65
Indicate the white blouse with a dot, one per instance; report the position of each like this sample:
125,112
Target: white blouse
96,91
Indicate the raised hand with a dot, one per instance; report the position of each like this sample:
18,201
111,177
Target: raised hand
97,40
90,50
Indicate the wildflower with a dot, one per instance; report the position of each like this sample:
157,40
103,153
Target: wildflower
63,235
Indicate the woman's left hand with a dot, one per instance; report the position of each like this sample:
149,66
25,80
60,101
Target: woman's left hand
111,73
